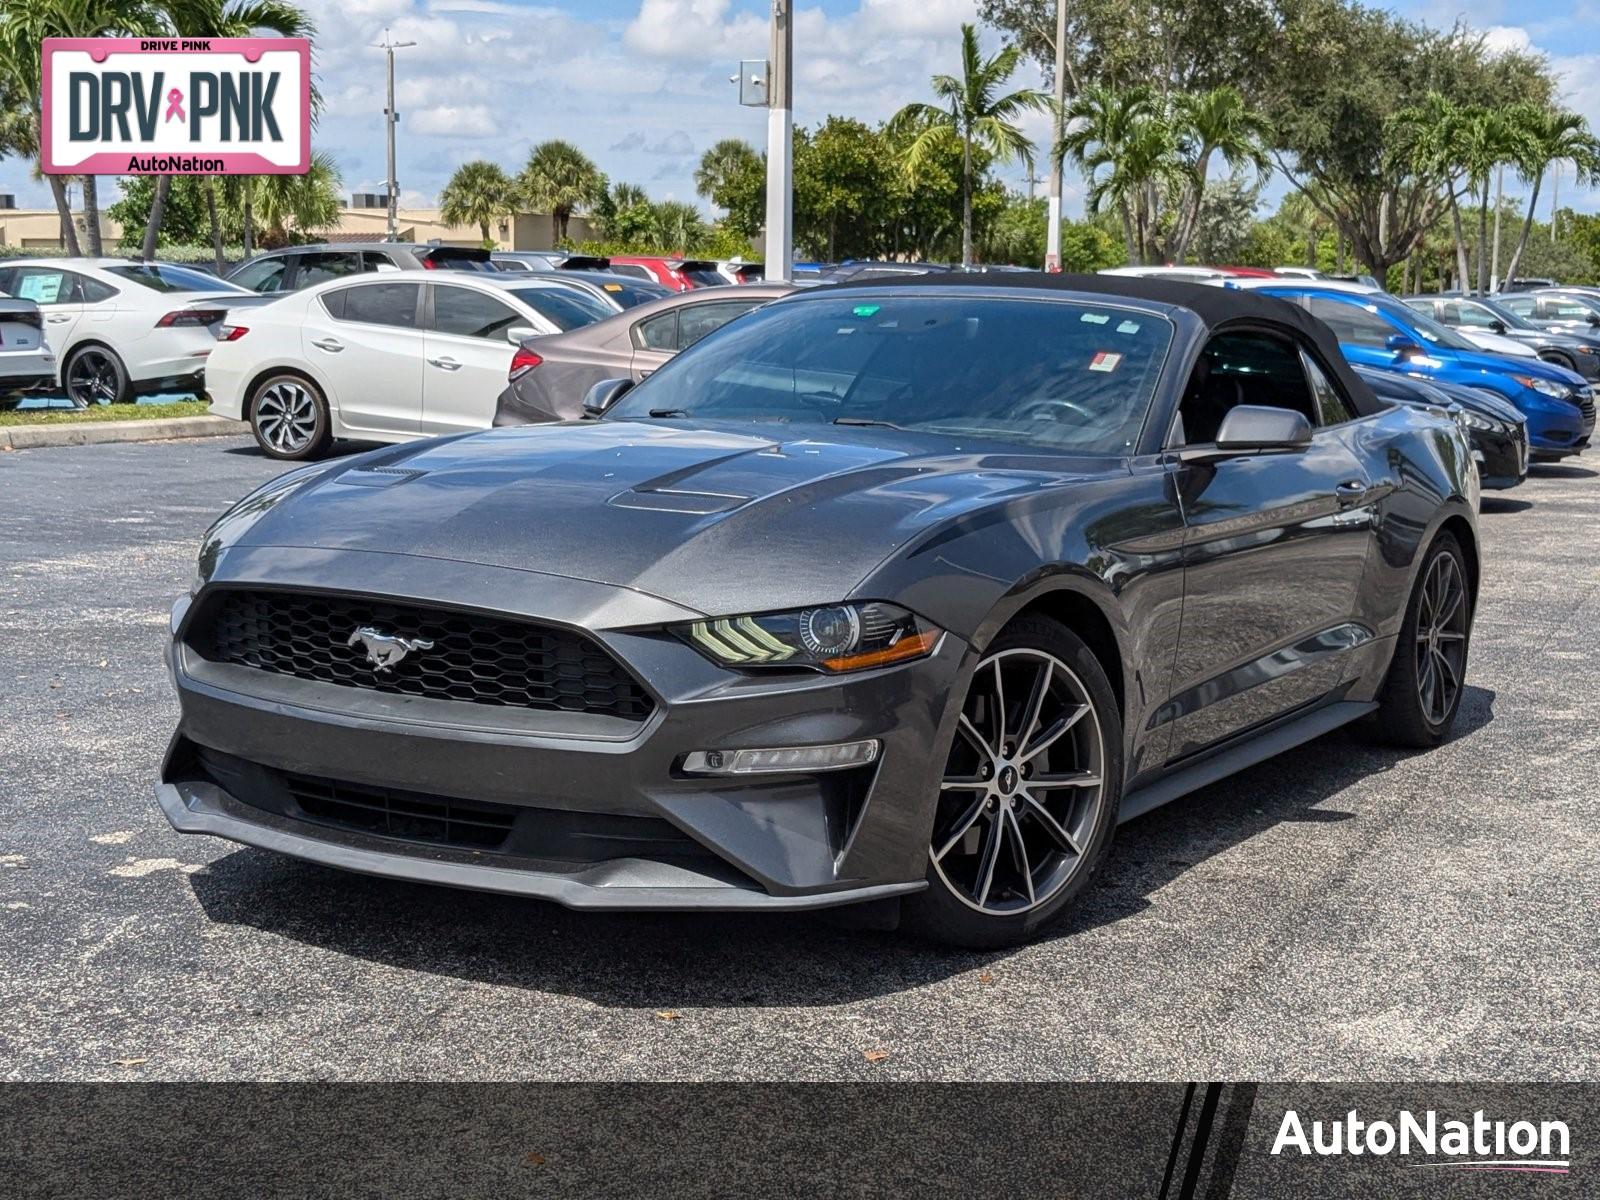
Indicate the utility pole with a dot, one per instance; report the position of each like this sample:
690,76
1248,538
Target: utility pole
390,120
780,145
1555,192
1032,181
1052,250
1494,255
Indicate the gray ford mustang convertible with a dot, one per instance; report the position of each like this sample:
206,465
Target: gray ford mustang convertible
904,592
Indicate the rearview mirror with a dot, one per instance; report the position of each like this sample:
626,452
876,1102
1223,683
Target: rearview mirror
518,334
1255,427
603,395
1401,345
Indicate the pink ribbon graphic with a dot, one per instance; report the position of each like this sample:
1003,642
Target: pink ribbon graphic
175,105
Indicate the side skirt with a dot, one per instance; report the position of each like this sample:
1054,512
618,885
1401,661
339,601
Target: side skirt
1247,753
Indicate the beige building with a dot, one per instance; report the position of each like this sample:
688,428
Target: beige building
365,220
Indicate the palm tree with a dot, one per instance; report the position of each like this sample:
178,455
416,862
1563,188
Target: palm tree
223,19
1210,123
675,225
626,195
479,192
720,163
1549,138
971,110
23,26
1128,152
561,179
1483,139
310,202
1426,136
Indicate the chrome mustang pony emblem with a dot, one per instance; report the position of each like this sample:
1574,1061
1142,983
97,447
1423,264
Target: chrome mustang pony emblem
383,649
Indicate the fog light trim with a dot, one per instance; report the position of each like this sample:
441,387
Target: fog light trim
782,760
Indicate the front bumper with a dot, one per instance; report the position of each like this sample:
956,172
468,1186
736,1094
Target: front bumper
1502,458
248,739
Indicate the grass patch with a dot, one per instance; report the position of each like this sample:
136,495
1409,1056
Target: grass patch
103,412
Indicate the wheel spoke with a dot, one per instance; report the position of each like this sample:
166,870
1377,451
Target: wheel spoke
963,785
1053,734
1057,831
986,865
1450,635
1019,853
965,726
1072,779
966,822
999,710
1035,709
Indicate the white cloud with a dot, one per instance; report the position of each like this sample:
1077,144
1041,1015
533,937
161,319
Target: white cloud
1501,38
695,29
472,120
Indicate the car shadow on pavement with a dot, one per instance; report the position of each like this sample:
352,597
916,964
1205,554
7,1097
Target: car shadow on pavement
1494,505
1560,471
663,960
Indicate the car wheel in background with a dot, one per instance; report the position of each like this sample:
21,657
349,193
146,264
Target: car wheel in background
290,418
1029,795
95,375
1422,694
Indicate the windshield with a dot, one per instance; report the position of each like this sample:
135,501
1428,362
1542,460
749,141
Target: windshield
1068,375
159,277
565,308
1430,330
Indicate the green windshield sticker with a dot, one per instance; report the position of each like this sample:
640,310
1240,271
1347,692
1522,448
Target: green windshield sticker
1094,318
865,310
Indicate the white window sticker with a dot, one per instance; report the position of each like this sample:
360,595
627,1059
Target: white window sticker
1095,318
1104,360
41,289
1128,327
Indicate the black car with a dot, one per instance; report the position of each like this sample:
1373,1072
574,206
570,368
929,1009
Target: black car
1497,431
1576,351
883,592
301,266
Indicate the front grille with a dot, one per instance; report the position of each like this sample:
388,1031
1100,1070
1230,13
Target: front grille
409,815
475,659
1585,402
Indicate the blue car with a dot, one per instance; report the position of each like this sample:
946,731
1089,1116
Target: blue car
1378,331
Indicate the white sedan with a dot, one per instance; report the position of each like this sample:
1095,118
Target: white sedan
119,329
383,358
25,360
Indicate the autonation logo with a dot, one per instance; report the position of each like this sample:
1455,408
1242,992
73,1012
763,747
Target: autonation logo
1480,1144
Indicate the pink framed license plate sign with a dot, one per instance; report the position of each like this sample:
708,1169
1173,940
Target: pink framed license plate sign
176,106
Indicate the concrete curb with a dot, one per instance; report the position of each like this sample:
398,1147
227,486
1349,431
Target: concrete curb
33,437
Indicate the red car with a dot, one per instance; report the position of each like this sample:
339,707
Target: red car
679,274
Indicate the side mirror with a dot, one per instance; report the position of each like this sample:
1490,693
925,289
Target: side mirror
603,395
518,334
1497,325
1401,345
1594,319
1251,427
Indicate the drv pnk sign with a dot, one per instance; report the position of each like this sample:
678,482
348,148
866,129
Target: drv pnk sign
176,106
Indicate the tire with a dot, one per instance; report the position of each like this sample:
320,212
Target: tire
959,908
1559,359
94,374
1422,692
289,417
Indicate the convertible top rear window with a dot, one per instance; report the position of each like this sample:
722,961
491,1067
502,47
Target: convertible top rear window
1070,375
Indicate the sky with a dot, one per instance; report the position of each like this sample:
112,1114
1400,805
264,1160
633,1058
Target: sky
642,85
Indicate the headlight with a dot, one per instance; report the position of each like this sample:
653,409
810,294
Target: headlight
830,637
1468,419
1545,387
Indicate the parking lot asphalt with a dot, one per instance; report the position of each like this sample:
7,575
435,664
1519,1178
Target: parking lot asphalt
1342,912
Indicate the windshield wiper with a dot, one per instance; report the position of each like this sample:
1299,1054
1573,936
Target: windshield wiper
869,421
667,412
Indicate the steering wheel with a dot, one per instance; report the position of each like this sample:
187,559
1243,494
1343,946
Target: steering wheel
1044,410
825,403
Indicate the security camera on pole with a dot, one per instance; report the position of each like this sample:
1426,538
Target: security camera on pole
390,120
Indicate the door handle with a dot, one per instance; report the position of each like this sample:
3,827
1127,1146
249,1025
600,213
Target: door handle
328,344
59,318
445,364
1350,492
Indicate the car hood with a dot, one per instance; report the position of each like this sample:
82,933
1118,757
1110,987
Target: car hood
1502,365
717,518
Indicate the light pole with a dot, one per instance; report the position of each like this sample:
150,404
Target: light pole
1052,249
780,145
390,120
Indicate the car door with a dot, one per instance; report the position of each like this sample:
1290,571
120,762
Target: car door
365,339
1275,545
55,291
467,356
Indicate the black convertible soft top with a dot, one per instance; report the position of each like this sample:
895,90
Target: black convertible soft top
1215,306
